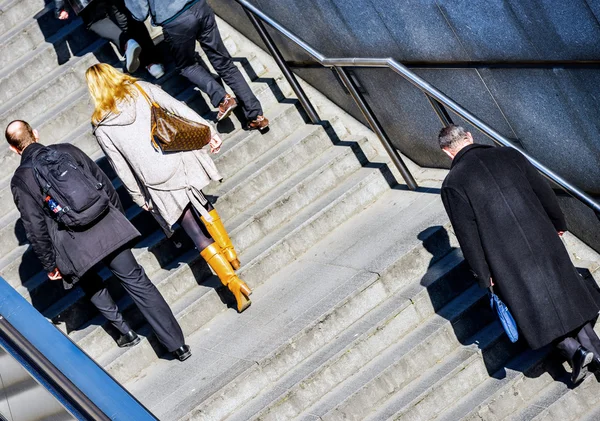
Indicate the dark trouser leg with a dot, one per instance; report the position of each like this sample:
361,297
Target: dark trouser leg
567,347
133,29
211,42
145,295
588,338
93,287
107,29
193,226
180,35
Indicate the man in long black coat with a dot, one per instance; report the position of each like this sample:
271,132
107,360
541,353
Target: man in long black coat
66,253
508,223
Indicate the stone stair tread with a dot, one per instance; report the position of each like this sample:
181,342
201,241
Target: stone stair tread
256,250
357,334
492,389
6,36
420,334
302,368
327,158
432,378
183,261
574,403
205,333
253,167
31,56
549,394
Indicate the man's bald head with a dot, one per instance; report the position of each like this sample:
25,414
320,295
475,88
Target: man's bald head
19,135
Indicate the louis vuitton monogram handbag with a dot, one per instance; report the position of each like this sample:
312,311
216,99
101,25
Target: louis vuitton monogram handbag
172,133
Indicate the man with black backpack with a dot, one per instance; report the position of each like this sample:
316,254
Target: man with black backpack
74,220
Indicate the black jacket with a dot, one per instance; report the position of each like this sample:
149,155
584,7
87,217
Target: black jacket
506,218
73,252
76,5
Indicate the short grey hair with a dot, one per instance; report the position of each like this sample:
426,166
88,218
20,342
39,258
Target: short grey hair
450,137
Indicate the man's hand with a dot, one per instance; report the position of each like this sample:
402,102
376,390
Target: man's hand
63,15
491,282
215,143
56,275
147,206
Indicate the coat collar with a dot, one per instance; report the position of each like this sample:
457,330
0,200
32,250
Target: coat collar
465,150
29,151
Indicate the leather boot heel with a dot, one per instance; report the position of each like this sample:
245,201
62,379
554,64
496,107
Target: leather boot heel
219,264
217,231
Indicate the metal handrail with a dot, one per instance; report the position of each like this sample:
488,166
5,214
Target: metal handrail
438,99
83,387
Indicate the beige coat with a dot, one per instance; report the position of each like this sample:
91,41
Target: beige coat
169,182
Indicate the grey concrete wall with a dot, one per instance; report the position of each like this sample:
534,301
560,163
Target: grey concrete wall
552,113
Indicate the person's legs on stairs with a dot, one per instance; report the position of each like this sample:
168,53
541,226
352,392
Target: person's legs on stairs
577,355
137,31
217,231
193,228
94,288
148,299
588,338
180,35
220,265
212,44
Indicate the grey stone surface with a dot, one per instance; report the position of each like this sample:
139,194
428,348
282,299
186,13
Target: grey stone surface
552,113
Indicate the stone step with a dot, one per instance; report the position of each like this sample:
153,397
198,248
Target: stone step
402,312
29,35
317,326
43,60
276,252
399,367
574,404
326,329
14,12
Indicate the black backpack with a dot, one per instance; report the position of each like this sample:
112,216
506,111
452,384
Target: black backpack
71,196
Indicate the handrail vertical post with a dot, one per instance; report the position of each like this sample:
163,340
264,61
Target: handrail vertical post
289,75
441,111
377,128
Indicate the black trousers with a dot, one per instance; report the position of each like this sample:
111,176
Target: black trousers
198,23
95,290
145,295
110,19
585,336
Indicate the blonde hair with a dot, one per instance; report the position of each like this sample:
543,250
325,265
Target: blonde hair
107,88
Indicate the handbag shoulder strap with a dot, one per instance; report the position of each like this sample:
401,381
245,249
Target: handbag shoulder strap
145,95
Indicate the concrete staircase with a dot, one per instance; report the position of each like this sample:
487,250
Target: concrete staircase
363,307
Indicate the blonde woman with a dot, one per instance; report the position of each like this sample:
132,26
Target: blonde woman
167,184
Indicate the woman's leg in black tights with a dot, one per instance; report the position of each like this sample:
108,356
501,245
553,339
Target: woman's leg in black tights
193,226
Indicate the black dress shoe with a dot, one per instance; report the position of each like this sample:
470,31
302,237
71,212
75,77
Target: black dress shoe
594,366
182,353
581,359
129,339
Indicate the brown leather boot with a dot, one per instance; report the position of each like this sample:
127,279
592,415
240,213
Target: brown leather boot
217,231
219,264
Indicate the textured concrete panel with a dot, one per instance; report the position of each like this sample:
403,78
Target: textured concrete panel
420,30
554,114
561,30
488,30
